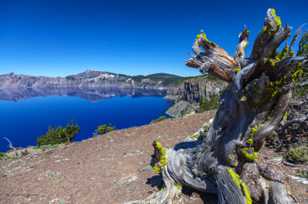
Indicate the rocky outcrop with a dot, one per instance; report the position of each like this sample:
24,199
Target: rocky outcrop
195,89
195,94
180,109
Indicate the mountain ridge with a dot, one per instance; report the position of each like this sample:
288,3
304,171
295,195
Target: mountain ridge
163,74
91,78
93,85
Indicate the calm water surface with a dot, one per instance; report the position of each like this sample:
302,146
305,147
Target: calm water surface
23,121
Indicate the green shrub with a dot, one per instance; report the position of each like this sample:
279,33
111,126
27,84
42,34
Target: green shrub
48,147
2,155
303,174
298,154
104,128
59,135
206,104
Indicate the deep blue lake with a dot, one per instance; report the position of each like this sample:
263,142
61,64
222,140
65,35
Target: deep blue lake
24,120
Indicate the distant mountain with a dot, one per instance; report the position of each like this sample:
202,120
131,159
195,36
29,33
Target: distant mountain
91,79
94,85
91,85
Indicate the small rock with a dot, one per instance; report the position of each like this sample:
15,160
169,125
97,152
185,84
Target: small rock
53,174
147,168
133,153
56,201
299,179
276,160
127,180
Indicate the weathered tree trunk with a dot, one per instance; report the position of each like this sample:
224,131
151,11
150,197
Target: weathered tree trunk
251,107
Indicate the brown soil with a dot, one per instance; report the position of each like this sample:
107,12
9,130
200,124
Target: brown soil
111,168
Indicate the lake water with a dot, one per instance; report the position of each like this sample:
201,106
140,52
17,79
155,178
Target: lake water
24,120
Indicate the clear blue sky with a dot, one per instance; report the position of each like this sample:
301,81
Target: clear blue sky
60,37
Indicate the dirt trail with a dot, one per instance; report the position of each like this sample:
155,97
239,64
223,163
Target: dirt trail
112,168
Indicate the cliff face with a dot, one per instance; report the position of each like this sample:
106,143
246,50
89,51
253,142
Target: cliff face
90,79
194,90
195,94
91,85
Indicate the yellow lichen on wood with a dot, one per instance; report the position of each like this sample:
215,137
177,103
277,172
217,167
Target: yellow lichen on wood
274,19
232,160
240,184
249,153
161,156
178,186
253,132
285,116
284,53
298,72
236,69
277,19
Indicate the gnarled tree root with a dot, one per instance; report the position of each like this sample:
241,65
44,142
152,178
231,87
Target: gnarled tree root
250,109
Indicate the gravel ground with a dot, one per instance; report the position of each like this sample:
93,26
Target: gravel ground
111,168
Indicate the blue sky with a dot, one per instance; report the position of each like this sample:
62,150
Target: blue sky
60,37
